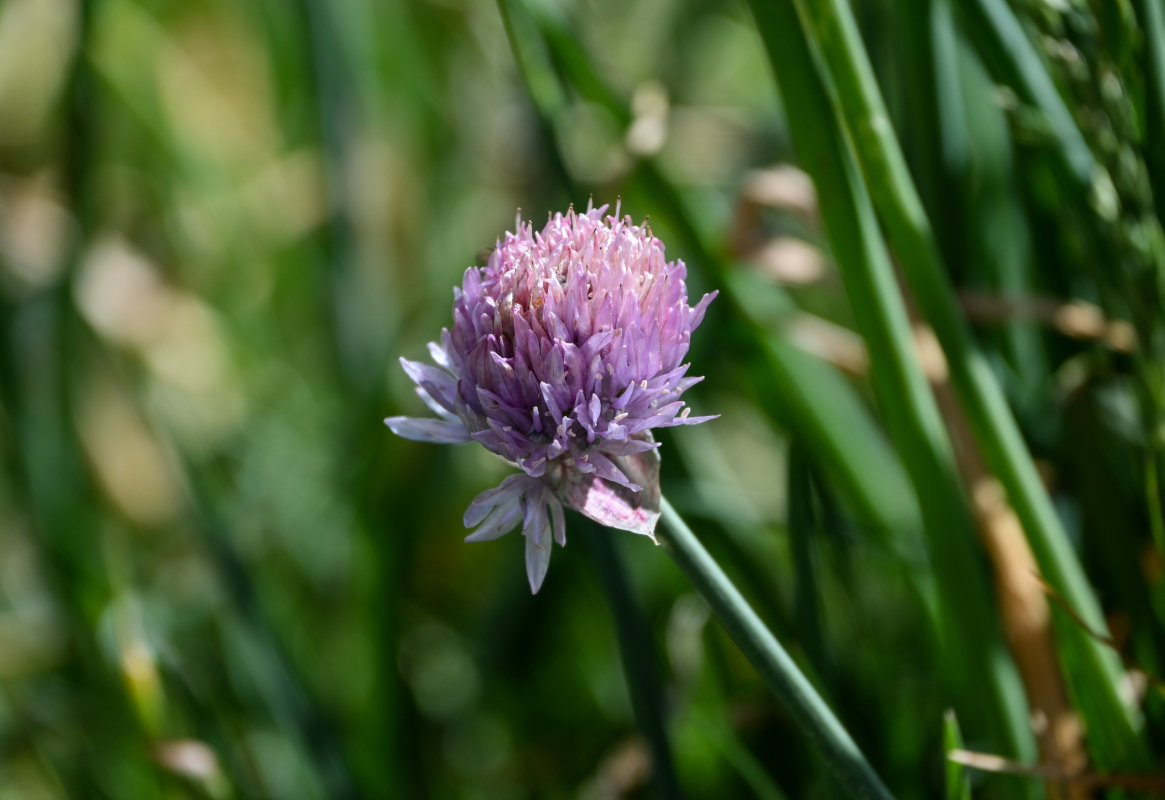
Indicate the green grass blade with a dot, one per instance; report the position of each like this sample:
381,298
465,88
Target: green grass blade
1094,672
1151,14
957,782
1011,57
974,647
751,771
815,400
804,533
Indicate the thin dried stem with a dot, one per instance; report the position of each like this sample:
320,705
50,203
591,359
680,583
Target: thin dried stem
1083,781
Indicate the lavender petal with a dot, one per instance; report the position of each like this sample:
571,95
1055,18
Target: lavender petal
538,541
509,489
424,429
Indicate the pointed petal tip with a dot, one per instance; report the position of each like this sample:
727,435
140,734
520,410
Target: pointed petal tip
423,429
537,530
537,564
501,519
694,420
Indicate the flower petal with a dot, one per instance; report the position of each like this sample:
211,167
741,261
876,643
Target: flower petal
424,429
616,506
684,419
440,384
696,316
433,405
498,522
606,468
627,447
509,489
440,356
556,519
538,542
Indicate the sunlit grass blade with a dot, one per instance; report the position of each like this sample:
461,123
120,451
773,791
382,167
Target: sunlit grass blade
1094,673
973,646
812,716
958,783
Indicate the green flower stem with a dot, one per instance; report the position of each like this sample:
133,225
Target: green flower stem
775,666
1095,670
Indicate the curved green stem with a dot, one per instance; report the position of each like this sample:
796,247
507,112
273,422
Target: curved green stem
774,665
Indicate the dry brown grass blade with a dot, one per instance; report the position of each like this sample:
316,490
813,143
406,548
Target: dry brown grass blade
1133,668
1076,319
1023,603
1081,781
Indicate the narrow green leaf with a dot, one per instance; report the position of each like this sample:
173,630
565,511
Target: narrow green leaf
958,783
1011,57
974,649
1151,14
1094,672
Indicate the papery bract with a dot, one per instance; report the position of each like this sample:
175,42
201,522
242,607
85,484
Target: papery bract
566,351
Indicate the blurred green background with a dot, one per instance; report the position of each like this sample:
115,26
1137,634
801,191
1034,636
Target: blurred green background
221,223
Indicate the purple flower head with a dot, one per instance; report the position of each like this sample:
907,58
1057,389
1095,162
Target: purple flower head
566,350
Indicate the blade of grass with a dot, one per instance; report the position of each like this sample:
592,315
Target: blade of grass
813,399
816,402
958,783
771,661
1151,14
803,533
934,125
974,651
335,84
330,80
1095,673
751,771
997,236
1009,54
638,656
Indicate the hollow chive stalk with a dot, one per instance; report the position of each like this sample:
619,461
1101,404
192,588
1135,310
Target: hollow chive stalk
808,710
